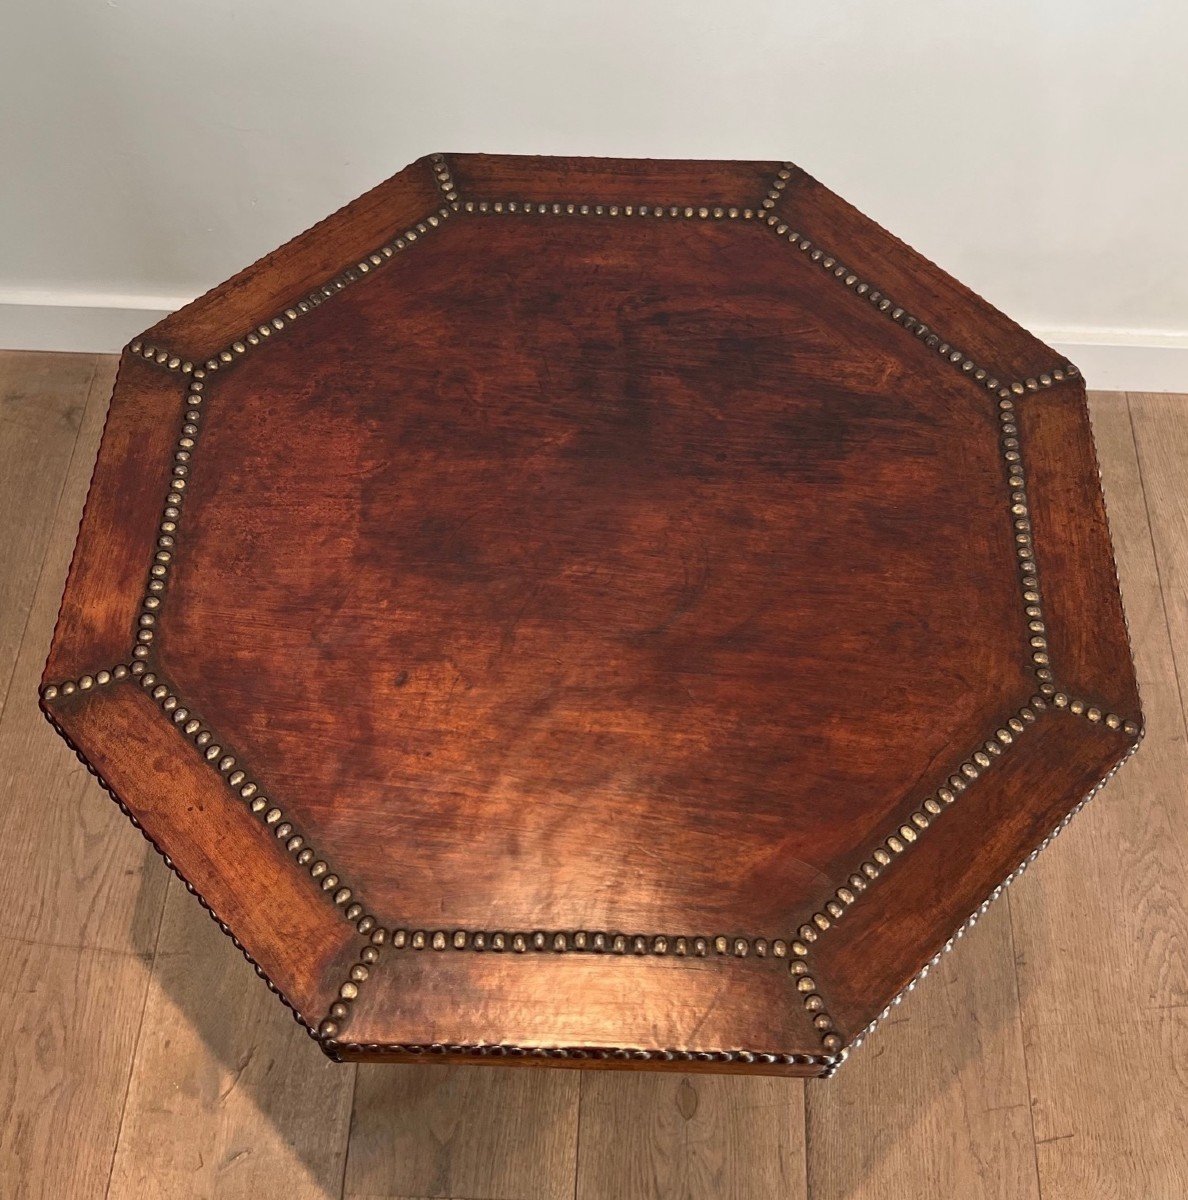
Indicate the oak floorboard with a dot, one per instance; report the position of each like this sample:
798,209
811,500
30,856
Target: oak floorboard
935,1101
42,401
229,1097
87,879
1160,425
1101,920
467,1133
83,894
72,1015
690,1137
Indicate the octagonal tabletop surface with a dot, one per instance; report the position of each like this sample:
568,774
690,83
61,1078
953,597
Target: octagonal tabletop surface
592,610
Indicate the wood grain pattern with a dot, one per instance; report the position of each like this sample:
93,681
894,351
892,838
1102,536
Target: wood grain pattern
566,568
608,181
108,573
910,280
299,939
695,1137
1086,626
228,1096
42,401
1161,440
83,900
888,1122
582,1000
1101,924
73,1014
462,1132
936,1103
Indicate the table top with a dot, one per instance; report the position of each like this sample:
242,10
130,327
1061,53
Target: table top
595,611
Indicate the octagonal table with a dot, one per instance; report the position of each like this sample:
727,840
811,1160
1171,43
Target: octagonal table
593,611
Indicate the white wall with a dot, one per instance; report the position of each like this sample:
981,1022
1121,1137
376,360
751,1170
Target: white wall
1038,149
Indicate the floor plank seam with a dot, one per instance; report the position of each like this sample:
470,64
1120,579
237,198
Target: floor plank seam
1155,557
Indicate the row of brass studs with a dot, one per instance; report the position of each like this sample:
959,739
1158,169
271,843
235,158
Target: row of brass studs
163,358
1037,633
619,943
340,1010
1091,713
982,908
827,261
580,1054
445,181
352,274
248,791
814,1005
897,843
214,916
777,186
702,212
150,606
884,304
84,683
589,942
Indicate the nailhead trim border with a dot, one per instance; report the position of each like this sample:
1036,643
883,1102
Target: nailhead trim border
226,929
85,683
445,180
982,908
1091,713
581,941
187,442
246,789
570,208
1037,639
905,835
300,308
814,1005
348,993
897,313
599,942
583,1054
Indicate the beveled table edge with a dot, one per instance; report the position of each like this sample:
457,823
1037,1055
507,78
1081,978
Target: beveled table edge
835,1047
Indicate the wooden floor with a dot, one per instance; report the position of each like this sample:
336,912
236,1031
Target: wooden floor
1047,1059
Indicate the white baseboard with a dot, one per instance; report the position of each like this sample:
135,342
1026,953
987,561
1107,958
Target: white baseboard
1110,359
1123,360
77,321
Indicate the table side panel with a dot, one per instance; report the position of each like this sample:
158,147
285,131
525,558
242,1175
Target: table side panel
1086,626
879,258
555,1000
923,897
260,292
287,924
621,181
109,572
